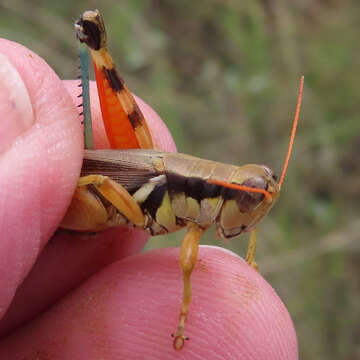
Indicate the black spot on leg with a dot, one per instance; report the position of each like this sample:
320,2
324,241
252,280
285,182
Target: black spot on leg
115,80
134,119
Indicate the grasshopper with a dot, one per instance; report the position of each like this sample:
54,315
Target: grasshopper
161,192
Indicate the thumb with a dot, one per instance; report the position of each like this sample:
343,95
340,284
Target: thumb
40,158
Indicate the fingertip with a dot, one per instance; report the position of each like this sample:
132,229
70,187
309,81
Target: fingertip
132,306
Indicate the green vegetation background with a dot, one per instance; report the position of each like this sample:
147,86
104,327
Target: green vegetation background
224,74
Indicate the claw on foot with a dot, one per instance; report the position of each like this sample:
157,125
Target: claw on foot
179,339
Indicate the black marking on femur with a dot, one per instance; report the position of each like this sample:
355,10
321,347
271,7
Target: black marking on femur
154,200
135,119
247,201
194,187
115,80
90,34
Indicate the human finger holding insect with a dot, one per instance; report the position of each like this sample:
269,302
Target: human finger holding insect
88,321
38,159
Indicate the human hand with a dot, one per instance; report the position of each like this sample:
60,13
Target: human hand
128,309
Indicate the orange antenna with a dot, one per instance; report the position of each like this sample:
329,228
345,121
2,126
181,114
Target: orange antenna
286,162
293,131
240,187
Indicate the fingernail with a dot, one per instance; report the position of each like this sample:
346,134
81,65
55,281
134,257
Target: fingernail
16,113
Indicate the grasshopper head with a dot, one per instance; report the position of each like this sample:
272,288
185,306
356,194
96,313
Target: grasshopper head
243,209
254,190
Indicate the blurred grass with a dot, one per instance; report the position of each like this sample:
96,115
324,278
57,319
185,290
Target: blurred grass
223,74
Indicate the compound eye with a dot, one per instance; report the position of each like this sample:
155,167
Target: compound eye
269,172
247,201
